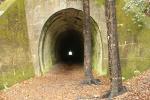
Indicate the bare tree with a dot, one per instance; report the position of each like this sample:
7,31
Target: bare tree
87,45
113,50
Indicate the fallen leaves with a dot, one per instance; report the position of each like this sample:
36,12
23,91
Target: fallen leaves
58,85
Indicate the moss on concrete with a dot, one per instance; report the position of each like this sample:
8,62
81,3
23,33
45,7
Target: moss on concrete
100,2
13,24
15,75
6,4
15,60
134,43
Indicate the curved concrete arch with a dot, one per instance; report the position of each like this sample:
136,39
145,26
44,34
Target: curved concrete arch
63,20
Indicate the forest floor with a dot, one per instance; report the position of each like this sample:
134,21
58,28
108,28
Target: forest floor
63,83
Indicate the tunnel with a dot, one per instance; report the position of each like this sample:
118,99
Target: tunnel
69,47
62,40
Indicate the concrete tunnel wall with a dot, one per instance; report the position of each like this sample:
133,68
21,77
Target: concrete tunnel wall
65,20
47,19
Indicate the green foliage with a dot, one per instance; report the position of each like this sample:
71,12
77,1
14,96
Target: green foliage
137,9
133,40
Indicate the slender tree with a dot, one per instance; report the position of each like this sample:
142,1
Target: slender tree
87,45
113,50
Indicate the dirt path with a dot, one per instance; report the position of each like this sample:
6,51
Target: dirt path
65,84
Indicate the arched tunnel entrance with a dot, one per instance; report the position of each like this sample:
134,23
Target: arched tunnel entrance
62,40
69,47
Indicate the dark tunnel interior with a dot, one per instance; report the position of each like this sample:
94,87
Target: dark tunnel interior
69,47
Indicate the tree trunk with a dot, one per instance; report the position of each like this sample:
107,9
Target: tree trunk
87,44
87,40
113,49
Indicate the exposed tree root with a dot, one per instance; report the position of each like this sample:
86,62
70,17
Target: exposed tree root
109,94
91,81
